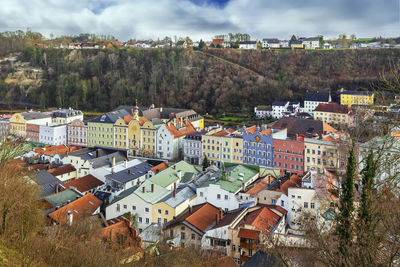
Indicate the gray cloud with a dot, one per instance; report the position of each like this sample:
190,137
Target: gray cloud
127,19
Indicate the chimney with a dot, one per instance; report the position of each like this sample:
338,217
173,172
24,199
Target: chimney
143,189
69,218
174,193
179,173
56,188
126,164
113,161
152,188
98,153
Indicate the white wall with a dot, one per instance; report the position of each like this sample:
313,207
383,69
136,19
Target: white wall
300,203
132,201
227,200
53,135
165,143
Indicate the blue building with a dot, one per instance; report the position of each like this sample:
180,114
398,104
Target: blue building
257,146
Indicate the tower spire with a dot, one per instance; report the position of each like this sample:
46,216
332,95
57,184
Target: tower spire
136,113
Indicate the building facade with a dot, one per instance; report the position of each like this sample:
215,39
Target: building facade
289,155
32,132
66,116
257,146
192,148
53,134
77,133
350,98
320,154
313,99
334,114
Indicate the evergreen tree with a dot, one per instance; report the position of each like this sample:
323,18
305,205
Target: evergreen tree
294,38
368,175
202,44
205,163
346,206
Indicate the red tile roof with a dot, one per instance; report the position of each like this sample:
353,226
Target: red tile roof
84,183
263,219
252,129
159,167
121,226
259,186
218,41
221,133
201,216
279,208
53,150
62,170
333,108
187,128
248,233
88,203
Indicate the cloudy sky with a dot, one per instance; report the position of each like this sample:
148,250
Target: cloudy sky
142,19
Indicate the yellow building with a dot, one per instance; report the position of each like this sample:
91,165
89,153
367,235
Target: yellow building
334,114
320,154
350,98
172,205
148,133
237,147
211,147
18,121
121,132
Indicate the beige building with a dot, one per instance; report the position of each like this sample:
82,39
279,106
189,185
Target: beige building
334,114
320,155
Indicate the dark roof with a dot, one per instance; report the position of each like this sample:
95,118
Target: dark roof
111,117
262,259
34,115
167,113
46,181
129,109
279,103
64,113
248,42
131,173
102,195
296,42
107,160
84,183
271,41
228,217
295,126
317,96
310,39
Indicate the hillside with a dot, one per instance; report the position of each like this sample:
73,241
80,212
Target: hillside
213,81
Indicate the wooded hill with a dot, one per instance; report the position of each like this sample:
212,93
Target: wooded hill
212,80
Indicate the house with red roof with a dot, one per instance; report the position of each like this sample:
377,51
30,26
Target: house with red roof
334,114
84,206
218,42
64,173
85,184
170,137
189,228
250,230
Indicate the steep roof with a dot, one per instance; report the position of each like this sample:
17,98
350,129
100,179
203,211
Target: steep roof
78,208
170,174
46,181
183,193
84,183
262,259
259,186
264,219
333,108
130,174
317,96
186,129
248,233
62,170
229,217
296,126
151,196
111,117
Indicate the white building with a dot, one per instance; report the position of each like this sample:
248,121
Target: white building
278,108
139,202
66,116
53,134
248,45
192,148
313,99
262,112
271,43
302,204
311,43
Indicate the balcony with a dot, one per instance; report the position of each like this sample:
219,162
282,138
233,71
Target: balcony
247,245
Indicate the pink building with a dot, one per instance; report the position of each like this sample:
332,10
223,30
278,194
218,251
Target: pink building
289,155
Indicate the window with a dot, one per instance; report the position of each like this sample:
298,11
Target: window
125,207
299,197
183,235
233,248
147,220
226,197
282,203
140,219
218,196
273,201
166,212
306,205
250,252
159,211
193,237
146,210
118,207
312,205
293,196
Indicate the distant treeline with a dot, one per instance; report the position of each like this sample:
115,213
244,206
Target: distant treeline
100,80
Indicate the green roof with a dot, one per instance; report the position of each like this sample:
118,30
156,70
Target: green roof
329,214
170,175
236,176
62,197
124,194
151,197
